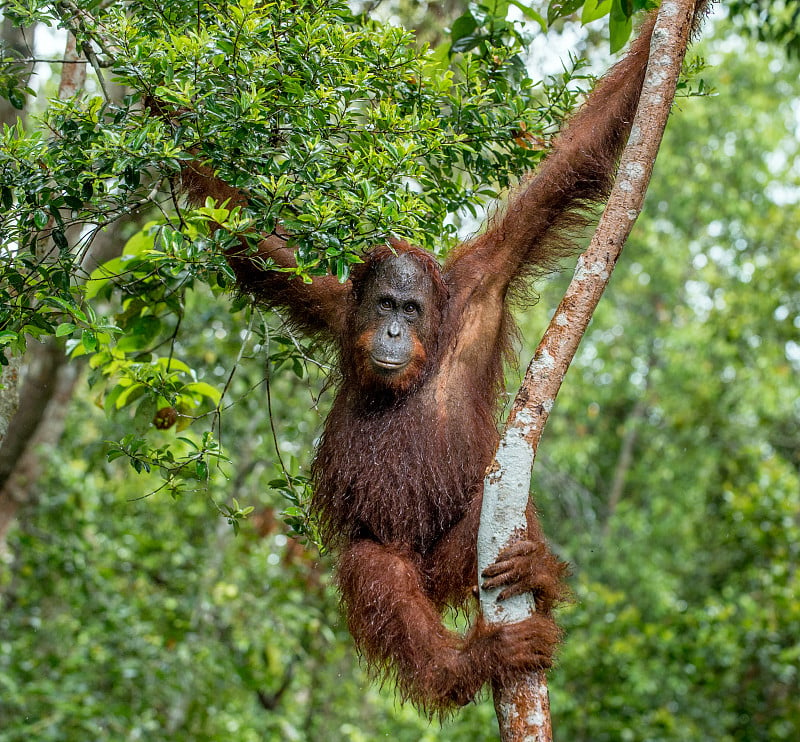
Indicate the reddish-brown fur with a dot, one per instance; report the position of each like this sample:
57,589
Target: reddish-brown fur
399,471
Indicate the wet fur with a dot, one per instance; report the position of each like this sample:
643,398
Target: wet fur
399,471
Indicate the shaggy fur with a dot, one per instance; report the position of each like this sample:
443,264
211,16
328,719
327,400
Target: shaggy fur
399,471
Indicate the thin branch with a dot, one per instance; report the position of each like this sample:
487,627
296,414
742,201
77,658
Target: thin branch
41,60
275,440
629,438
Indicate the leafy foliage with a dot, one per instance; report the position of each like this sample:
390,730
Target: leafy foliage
338,127
13,89
777,21
125,618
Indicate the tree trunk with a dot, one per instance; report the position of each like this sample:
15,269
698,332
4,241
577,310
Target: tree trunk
35,409
39,423
523,709
48,380
13,39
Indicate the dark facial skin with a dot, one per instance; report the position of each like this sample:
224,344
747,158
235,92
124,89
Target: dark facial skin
396,306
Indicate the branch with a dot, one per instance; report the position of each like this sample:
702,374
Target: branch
523,710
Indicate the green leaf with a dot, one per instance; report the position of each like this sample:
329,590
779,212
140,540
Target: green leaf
438,60
204,390
65,328
595,9
89,340
129,395
342,270
17,98
40,218
66,306
620,27
462,26
531,14
173,365
467,43
140,333
497,9
140,242
59,239
561,9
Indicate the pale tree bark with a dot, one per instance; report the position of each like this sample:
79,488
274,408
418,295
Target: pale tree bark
73,71
523,710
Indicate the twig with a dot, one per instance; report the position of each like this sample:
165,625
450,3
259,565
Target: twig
40,60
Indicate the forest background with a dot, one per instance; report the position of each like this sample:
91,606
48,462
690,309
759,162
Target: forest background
158,576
